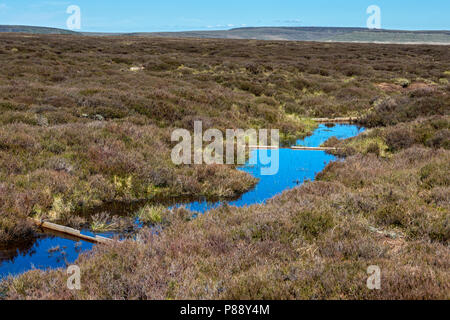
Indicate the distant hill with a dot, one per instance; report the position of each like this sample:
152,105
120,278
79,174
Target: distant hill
316,34
35,30
325,34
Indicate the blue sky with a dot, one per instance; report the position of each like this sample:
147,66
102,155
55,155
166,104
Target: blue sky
175,15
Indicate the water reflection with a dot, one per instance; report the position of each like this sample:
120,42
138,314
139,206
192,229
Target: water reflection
295,167
53,251
48,251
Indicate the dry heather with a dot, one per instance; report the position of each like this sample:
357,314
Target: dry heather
314,242
80,126
87,120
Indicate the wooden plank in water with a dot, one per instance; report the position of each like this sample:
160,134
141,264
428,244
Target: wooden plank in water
70,231
264,147
295,148
336,120
313,148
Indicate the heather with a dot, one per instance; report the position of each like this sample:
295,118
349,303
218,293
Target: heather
432,132
312,242
87,121
51,172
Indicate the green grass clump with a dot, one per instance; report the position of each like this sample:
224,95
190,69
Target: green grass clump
151,214
60,209
102,222
404,83
374,145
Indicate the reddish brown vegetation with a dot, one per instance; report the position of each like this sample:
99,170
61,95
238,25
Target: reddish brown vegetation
78,127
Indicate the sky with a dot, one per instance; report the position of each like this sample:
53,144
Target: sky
177,15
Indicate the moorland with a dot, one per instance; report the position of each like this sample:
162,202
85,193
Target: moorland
87,120
321,34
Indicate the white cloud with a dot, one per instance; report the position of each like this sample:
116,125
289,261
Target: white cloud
289,21
229,25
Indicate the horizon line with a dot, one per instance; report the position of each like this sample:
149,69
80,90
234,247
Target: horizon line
225,29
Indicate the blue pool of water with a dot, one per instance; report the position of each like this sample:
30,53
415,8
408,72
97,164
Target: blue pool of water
40,256
294,168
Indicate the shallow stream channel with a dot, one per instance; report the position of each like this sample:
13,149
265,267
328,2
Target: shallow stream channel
296,166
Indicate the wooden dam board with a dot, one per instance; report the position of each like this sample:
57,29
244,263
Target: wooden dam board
71,232
295,148
313,148
336,120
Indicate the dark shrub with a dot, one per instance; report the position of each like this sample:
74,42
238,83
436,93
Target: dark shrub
312,224
373,148
435,174
399,138
440,140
